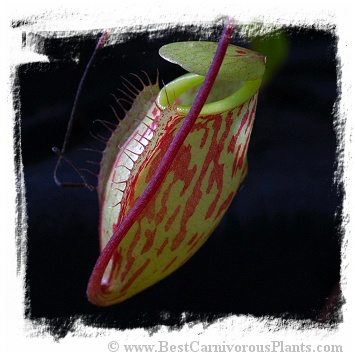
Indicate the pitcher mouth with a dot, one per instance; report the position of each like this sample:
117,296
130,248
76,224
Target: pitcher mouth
224,96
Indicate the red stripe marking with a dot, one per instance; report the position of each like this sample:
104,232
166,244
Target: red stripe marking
160,250
217,174
172,219
245,169
130,259
225,204
248,121
169,265
149,234
116,264
135,276
235,162
196,242
240,52
192,239
241,159
184,159
236,136
204,138
252,112
232,144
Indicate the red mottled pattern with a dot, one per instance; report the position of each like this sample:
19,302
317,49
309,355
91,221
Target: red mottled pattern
200,185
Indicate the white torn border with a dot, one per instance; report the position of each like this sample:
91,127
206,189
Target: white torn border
85,17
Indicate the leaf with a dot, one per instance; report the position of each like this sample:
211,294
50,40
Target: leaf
275,46
239,64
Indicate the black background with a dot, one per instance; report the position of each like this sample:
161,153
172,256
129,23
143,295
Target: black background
277,250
